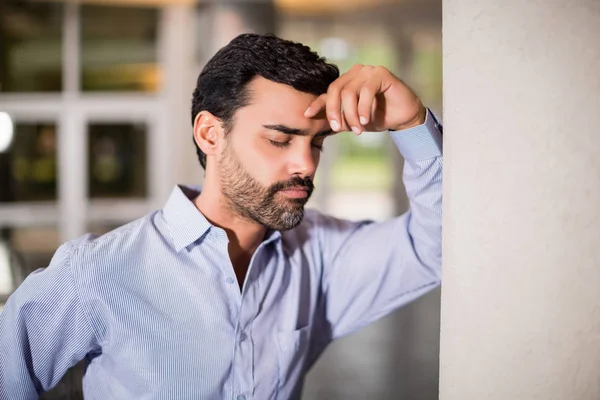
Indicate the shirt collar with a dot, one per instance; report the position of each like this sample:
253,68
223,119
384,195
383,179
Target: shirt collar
186,222
272,236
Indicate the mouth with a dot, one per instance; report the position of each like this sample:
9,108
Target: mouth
297,192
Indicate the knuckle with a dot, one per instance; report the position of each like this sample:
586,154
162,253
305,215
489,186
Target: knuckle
381,69
347,93
332,89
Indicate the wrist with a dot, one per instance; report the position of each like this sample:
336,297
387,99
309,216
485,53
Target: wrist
418,119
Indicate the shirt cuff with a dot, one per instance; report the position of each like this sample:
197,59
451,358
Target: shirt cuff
421,142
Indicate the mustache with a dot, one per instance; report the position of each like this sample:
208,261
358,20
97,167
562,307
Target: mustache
296,181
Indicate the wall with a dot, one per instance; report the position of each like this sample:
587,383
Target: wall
520,298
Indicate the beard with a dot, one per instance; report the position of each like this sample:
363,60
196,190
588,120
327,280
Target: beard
262,204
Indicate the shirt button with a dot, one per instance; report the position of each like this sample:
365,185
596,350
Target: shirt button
241,397
243,337
229,280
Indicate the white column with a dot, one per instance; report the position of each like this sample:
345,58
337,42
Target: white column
72,168
72,137
172,142
521,284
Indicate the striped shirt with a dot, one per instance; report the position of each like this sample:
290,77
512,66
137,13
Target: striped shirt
155,309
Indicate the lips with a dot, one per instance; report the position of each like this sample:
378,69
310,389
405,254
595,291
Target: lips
296,192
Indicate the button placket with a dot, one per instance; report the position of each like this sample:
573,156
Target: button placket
245,344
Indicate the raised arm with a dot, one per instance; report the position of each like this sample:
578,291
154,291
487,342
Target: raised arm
369,269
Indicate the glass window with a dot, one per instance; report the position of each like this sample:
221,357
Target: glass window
31,248
117,160
30,46
28,168
119,49
7,266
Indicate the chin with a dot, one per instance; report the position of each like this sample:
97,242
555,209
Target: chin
288,222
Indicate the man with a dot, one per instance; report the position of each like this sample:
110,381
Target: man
234,292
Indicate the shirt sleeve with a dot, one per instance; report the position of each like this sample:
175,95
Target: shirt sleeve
371,268
43,331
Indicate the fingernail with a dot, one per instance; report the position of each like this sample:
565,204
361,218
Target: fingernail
363,120
306,112
334,125
355,130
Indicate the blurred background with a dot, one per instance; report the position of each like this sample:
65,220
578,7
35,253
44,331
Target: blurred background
95,131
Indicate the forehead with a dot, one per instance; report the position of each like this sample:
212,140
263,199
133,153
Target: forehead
276,103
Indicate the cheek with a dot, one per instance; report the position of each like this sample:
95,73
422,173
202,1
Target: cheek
261,162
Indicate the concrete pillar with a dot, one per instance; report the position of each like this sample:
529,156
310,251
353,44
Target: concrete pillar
521,285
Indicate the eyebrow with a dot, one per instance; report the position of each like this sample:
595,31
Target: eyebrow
295,131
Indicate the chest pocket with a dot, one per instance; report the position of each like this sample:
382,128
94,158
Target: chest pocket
292,349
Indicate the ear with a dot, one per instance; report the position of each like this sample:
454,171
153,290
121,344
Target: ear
207,132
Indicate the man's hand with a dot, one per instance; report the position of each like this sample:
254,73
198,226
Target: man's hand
369,98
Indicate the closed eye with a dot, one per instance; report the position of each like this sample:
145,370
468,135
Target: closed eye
280,145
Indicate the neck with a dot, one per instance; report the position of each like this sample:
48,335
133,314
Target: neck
244,235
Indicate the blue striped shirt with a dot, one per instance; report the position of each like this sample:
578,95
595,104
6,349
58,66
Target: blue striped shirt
155,309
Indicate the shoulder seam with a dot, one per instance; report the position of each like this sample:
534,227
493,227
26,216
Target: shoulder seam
110,235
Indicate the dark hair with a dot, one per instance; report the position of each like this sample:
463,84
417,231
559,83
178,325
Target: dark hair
221,87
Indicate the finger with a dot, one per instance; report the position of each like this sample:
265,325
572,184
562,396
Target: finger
345,127
315,106
366,99
333,100
349,97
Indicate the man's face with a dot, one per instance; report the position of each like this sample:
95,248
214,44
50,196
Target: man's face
270,156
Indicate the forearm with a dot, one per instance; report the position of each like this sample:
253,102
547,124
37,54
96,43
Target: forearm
421,147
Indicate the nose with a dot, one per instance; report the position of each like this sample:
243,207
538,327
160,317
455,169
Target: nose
304,161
